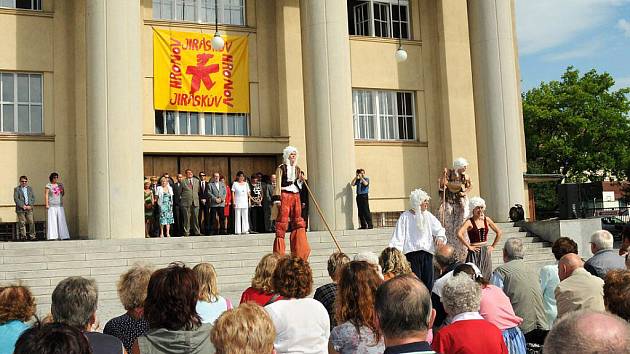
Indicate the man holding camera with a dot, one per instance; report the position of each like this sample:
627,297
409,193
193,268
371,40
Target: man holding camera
363,187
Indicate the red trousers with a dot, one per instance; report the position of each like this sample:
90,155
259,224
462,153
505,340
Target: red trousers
290,207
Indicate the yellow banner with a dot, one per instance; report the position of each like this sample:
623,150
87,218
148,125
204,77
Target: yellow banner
190,76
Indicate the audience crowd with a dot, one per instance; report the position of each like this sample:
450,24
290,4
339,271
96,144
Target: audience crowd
373,304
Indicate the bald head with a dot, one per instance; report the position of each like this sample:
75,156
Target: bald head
588,332
567,264
403,307
445,256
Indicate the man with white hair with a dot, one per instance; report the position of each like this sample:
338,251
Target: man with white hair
604,256
519,282
286,197
417,234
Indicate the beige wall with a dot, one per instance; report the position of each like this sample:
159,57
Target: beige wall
438,72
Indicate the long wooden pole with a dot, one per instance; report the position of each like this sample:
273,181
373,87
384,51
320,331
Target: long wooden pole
319,211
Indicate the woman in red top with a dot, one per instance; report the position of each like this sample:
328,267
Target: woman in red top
261,290
469,332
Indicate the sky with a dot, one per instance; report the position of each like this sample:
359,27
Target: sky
588,34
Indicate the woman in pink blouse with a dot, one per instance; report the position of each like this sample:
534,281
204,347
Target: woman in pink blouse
496,308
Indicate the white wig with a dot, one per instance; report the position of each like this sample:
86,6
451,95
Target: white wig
287,151
418,197
476,202
460,162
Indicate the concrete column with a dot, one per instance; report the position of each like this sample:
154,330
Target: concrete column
290,83
328,110
497,100
114,119
455,87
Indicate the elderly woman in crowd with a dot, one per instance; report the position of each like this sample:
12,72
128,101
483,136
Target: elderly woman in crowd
549,279
393,263
327,293
497,309
474,235
244,330
210,305
170,309
617,293
132,291
357,331
302,324
261,291
371,258
469,332
17,306
52,338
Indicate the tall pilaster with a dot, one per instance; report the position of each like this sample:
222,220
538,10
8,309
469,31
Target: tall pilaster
455,83
496,92
114,119
328,109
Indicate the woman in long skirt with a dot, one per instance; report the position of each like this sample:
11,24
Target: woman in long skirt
454,185
477,228
57,228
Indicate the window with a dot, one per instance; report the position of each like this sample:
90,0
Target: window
22,4
194,123
20,103
379,18
383,115
231,12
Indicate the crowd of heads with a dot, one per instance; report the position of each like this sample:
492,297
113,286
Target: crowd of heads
379,293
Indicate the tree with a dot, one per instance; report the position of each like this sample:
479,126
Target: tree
578,127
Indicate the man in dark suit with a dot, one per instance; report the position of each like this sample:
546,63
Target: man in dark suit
24,199
204,208
268,203
217,194
177,198
190,203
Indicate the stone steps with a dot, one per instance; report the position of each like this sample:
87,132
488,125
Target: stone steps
41,265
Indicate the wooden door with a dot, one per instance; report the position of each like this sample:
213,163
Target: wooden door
216,164
165,164
252,164
148,166
245,164
195,163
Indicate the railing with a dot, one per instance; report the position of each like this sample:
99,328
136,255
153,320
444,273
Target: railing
620,213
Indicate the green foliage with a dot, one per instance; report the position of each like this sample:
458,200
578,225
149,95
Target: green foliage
577,127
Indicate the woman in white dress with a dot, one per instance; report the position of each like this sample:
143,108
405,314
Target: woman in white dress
240,198
54,192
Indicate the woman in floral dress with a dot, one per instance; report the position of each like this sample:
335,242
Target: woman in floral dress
165,201
149,201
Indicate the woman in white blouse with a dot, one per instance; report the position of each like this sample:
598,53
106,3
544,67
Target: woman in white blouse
165,201
241,197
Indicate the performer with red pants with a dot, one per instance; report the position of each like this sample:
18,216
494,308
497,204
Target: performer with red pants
286,197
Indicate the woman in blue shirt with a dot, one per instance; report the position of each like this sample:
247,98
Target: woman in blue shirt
17,306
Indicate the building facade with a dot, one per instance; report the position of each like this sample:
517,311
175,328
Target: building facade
78,97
